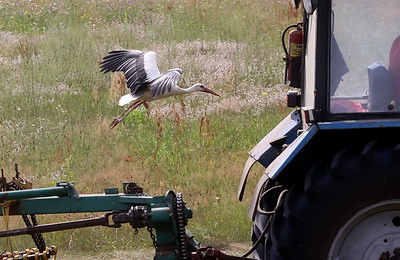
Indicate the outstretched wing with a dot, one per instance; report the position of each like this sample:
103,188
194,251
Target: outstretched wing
139,67
164,82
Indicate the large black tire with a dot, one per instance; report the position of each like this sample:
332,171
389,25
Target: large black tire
346,207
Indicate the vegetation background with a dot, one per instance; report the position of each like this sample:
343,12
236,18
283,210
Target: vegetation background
56,107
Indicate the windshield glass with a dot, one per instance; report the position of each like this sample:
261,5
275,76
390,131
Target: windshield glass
365,56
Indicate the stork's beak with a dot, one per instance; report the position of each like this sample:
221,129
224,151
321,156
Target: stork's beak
207,90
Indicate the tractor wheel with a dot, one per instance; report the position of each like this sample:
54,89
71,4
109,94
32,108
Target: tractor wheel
346,208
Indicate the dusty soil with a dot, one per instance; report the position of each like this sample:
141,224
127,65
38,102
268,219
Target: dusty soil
144,254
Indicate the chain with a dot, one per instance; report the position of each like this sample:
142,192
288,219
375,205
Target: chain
181,222
153,237
37,237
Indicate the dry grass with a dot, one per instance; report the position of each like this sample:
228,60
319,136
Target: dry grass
55,107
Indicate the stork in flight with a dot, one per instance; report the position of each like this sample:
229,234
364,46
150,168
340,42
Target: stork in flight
144,79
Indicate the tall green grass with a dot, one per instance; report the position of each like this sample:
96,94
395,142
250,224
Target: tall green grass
55,107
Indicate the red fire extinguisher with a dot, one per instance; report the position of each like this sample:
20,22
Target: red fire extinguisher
294,55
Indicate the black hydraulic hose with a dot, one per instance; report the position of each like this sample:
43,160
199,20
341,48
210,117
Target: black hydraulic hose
260,238
283,38
286,59
271,213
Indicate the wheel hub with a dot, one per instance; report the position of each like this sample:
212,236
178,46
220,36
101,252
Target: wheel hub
373,230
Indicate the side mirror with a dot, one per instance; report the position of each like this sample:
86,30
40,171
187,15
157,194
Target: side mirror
310,6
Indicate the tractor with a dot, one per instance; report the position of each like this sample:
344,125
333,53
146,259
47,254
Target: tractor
330,189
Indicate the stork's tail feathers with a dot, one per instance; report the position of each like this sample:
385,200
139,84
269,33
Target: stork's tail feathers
125,99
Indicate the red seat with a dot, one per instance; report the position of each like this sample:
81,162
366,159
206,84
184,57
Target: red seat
346,106
394,65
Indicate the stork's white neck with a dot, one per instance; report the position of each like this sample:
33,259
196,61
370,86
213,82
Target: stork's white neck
175,90
194,88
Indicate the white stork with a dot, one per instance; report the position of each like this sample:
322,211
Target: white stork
144,79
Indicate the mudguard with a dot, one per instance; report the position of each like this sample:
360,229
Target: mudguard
265,152
294,149
281,161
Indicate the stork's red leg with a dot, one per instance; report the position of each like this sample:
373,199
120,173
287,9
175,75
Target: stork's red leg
146,105
129,109
126,112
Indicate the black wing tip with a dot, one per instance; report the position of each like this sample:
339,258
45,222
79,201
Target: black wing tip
117,54
117,51
113,54
104,70
106,61
117,60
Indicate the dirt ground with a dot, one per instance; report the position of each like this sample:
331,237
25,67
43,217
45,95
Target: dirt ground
144,254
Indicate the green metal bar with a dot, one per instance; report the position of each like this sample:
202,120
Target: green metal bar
82,203
34,193
159,214
65,199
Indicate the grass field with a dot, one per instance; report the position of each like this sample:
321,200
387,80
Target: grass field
56,107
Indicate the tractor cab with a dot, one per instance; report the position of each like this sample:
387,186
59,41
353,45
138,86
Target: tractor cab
329,189
350,66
